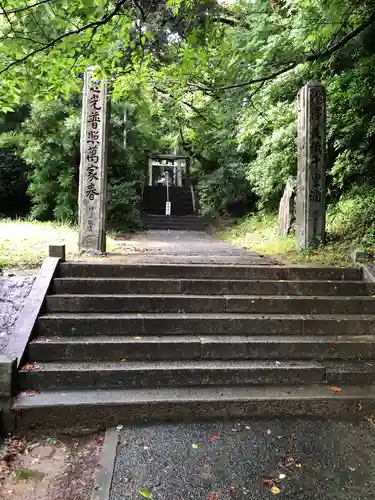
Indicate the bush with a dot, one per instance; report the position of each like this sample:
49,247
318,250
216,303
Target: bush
124,198
225,192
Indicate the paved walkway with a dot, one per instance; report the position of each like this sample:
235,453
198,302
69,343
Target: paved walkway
188,247
304,459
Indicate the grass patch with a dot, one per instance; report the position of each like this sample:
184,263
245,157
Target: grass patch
24,243
260,234
23,474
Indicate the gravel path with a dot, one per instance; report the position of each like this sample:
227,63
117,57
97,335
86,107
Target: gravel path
317,460
13,292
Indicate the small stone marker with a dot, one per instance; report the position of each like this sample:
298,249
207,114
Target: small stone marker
57,251
286,209
310,199
93,168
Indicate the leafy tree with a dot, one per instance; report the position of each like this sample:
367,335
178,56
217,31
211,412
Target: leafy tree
216,79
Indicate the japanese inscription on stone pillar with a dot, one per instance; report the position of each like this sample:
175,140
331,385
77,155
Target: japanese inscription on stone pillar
93,166
310,199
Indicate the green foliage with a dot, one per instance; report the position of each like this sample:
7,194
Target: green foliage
352,218
260,233
47,149
13,179
215,79
48,142
225,191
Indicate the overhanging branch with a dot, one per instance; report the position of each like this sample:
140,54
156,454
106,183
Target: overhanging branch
94,24
26,7
304,58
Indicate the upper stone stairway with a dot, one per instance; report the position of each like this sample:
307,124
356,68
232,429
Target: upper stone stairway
125,343
182,215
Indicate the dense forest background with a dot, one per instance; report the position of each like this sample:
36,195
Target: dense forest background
216,79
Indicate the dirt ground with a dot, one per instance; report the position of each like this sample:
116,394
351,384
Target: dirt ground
38,467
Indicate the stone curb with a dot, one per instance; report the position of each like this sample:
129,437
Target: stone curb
103,479
31,309
23,330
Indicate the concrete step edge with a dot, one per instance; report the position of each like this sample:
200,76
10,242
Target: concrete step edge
197,297
181,366
215,395
183,339
207,316
214,281
217,266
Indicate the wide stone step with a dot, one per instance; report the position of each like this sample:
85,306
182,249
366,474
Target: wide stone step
196,259
225,347
211,304
204,324
170,373
211,271
209,287
166,221
174,226
98,409
170,227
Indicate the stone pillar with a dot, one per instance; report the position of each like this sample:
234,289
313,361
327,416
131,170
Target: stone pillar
310,198
92,196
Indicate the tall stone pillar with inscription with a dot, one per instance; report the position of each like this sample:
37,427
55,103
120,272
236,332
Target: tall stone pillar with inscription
310,199
92,196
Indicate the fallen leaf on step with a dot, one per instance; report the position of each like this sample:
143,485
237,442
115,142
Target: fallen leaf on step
336,389
30,393
140,315
334,341
298,465
268,480
31,367
288,461
195,446
214,437
144,493
275,490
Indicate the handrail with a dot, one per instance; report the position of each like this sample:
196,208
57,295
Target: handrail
192,197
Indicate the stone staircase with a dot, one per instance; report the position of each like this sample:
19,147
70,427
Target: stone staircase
154,198
173,222
127,343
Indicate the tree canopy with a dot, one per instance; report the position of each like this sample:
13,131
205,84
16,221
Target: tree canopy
215,78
